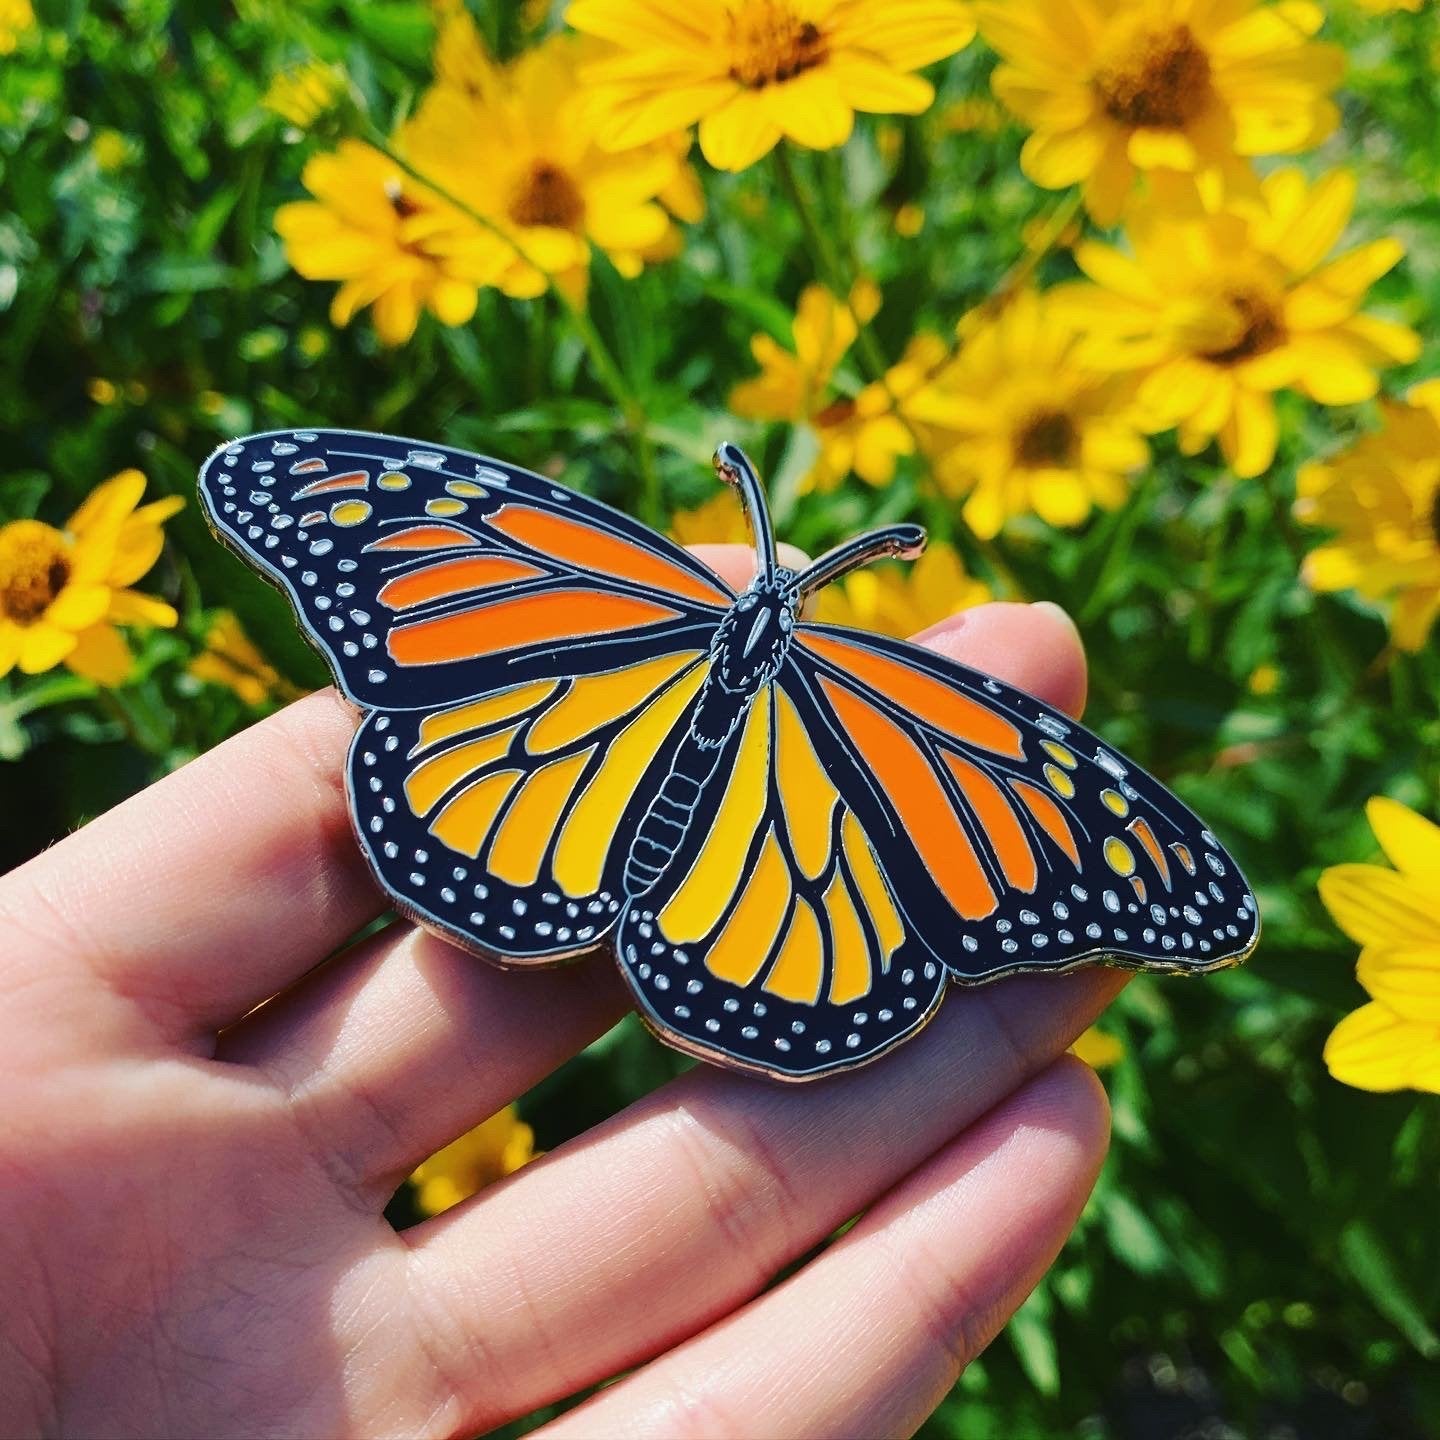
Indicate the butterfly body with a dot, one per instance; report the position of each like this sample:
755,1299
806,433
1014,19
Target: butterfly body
791,835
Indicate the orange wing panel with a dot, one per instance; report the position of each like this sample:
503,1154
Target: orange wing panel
590,549
999,821
524,620
451,577
927,699
914,789
353,480
423,537
1049,815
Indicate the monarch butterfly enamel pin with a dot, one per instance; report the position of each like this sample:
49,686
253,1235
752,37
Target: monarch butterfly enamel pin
790,835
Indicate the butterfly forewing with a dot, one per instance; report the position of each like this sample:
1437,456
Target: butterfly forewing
428,575
1015,838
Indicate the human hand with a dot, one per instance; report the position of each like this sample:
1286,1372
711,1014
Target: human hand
192,1190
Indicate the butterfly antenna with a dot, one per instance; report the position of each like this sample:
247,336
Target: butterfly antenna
733,466
894,542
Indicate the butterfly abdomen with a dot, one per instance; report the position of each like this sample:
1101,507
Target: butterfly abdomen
672,811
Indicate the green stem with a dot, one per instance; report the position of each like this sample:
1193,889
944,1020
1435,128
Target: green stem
607,369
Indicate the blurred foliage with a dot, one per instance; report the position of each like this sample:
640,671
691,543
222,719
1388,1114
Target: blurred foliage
1261,1256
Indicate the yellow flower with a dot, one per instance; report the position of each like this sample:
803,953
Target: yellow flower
231,659
861,432
303,93
17,17
1177,89
909,220
1394,1042
869,433
110,149
975,116
1381,496
491,1151
1023,424
520,149
902,600
1264,679
62,592
1215,313
374,229
752,71
1098,1048
717,521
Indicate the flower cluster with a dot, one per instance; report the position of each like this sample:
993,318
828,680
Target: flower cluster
1393,1043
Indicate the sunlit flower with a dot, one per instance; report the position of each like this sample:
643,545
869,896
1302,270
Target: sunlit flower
1393,1043
1179,89
374,229
903,599
491,1151
861,432
868,433
520,149
303,93
17,17
231,659
110,149
1215,313
909,220
716,521
1098,1048
754,71
1024,425
63,592
1381,497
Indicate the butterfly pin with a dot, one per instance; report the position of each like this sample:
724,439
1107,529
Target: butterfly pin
791,835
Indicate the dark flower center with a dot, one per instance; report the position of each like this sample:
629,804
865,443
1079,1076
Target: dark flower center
1159,77
548,197
1259,327
34,569
1046,439
769,44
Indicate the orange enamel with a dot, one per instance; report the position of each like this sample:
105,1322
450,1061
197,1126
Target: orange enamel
1049,816
351,480
914,789
926,698
523,620
451,577
997,818
1140,829
589,550
423,537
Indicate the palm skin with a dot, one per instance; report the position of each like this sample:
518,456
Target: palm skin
192,1189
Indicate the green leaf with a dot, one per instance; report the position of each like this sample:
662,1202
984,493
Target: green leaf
1370,1263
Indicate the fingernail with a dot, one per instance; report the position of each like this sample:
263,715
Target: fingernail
1061,614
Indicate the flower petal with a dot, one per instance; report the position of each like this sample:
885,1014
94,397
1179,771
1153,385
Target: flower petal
101,655
1375,1049
1410,841
1377,906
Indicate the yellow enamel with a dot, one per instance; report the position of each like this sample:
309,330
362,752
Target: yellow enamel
465,822
695,908
430,780
394,480
1118,856
350,512
807,795
798,971
1060,782
467,489
873,890
590,830
598,699
529,823
480,713
1058,752
850,978
744,944
444,507
1115,802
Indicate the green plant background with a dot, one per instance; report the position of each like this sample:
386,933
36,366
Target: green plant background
1262,1252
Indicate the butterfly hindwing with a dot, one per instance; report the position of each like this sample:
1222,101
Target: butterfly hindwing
428,575
503,822
1015,838
773,940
